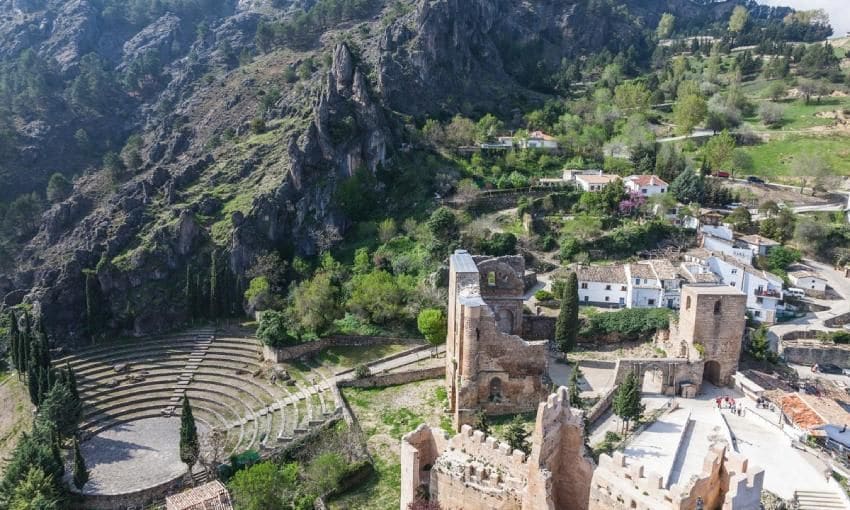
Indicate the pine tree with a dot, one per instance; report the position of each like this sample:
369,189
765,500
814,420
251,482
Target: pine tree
72,381
516,435
627,404
189,446
81,474
567,324
575,392
759,347
481,422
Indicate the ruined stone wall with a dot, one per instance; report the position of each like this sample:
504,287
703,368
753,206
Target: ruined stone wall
419,451
559,472
538,327
725,482
674,371
809,353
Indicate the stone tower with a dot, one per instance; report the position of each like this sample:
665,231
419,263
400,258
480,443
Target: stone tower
711,324
488,366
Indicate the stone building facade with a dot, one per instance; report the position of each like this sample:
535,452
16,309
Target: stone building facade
473,472
488,366
711,328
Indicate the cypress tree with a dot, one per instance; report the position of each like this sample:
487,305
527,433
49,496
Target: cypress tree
189,446
575,392
213,285
516,435
26,342
33,379
72,381
81,474
567,324
627,404
15,343
189,294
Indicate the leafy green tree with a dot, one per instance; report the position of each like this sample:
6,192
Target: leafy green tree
23,216
315,303
665,25
771,114
432,324
741,219
688,112
688,187
189,446
738,19
759,347
378,296
670,162
719,150
266,485
81,473
627,403
481,422
516,435
632,97
488,127
58,188
325,471
781,257
444,229
275,328
567,324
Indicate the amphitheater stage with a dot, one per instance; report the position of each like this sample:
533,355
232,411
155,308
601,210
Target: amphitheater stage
134,456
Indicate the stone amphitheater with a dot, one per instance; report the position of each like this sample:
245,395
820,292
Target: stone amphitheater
132,393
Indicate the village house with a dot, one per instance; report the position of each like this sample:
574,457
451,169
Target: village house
646,185
759,245
763,289
721,238
649,284
535,140
810,282
594,183
603,285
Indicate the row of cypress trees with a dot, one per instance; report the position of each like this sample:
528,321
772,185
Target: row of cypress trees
32,478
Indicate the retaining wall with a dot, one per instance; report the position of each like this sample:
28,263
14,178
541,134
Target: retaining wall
809,353
137,499
395,378
602,405
279,354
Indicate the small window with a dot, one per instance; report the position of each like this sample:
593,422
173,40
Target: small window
607,287
731,284
688,303
717,308
759,300
643,191
584,285
586,299
663,190
607,298
637,281
734,271
757,313
651,302
623,288
491,279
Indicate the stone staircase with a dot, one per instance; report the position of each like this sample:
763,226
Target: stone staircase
814,500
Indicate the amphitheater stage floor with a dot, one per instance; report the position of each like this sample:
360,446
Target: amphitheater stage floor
134,456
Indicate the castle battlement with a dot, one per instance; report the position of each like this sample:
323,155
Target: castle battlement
630,483
486,449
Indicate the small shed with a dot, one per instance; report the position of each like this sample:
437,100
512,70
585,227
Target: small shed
811,283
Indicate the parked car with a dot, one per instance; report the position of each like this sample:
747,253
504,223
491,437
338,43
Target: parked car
811,389
755,180
827,368
795,292
722,175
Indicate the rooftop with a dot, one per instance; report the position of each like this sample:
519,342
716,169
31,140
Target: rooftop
716,290
597,179
803,273
664,269
603,274
758,240
209,496
647,180
799,412
642,270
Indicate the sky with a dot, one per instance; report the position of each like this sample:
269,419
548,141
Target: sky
838,10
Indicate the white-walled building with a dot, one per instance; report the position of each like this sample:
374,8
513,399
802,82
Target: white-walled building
646,185
721,239
650,284
602,285
535,140
763,289
759,245
594,183
811,283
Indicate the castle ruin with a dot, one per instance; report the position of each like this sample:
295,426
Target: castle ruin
489,366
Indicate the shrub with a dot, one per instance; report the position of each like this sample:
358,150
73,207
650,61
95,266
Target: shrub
274,329
258,126
544,295
362,371
629,323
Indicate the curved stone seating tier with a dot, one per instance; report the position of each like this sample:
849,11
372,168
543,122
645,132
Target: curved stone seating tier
136,357
108,353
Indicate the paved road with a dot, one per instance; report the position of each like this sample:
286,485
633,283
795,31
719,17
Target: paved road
815,321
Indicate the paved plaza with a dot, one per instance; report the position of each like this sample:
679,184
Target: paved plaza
134,456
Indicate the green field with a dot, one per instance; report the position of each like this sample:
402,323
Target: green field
775,158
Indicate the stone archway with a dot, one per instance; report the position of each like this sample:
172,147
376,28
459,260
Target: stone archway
653,381
711,373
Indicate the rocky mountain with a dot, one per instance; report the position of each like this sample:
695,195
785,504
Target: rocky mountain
241,152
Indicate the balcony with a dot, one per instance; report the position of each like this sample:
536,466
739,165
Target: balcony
768,293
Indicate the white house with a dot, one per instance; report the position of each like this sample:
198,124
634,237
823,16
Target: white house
646,185
759,245
811,283
594,183
649,284
602,285
535,140
721,238
763,289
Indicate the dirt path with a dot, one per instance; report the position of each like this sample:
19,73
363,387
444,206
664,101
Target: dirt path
16,417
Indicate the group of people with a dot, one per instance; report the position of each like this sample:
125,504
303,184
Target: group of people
728,402
763,403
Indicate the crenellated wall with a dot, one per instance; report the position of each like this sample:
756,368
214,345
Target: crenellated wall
726,482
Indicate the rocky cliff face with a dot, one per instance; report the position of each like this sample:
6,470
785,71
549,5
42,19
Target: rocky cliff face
208,184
